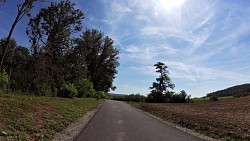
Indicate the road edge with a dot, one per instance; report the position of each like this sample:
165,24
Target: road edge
189,131
72,131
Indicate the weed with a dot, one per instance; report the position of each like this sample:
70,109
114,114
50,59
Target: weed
39,118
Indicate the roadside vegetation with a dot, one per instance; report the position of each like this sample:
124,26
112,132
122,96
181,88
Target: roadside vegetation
24,117
159,90
58,77
55,63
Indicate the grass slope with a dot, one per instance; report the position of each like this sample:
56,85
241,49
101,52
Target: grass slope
232,91
226,119
39,118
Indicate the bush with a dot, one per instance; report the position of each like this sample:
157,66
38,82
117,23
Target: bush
131,97
150,98
69,90
214,98
44,90
4,80
85,88
242,95
181,97
101,94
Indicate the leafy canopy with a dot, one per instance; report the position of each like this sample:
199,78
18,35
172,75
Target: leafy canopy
162,82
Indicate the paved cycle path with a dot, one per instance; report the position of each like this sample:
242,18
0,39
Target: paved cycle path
118,121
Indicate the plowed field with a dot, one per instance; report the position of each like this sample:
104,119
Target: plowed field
227,119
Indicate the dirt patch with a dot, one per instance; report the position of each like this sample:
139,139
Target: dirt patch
228,119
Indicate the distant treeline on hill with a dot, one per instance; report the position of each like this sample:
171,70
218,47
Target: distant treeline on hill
243,89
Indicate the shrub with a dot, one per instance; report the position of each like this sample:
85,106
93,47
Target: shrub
43,90
4,80
69,90
131,97
85,88
242,95
214,98
54,91
181,97
101,94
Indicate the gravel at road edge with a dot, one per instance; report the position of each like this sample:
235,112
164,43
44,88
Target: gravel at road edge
74,128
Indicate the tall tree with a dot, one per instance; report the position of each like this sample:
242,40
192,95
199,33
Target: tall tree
50,34
100,57
162,82
23,8
20,69
17,65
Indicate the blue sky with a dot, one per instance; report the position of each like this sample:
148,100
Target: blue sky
204,43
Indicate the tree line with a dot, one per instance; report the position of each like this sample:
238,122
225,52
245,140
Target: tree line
159,90
56,63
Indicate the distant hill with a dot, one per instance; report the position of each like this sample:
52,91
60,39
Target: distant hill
232,91
115,95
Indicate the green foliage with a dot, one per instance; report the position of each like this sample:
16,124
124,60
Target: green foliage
100,56
85,88
44,90
101,94
50,35
181,97
54,114
242,95
131,97
23,8
214,98
201,99
163,82
232,91
69,90
55,57
4,80
172,97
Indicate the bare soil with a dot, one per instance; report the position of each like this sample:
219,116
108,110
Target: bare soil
226,120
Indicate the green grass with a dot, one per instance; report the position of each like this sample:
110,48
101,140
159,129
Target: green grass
135,104
207,99
25,117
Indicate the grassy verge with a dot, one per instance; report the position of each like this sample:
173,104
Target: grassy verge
39,118
135,104
207,99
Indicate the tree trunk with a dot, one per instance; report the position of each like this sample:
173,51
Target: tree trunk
5,47
10,73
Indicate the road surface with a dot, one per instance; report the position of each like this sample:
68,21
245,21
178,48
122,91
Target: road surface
117,121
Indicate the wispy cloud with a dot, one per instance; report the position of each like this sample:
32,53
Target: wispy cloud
197,39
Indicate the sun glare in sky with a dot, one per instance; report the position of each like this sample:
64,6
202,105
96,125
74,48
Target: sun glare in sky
169,5
204,43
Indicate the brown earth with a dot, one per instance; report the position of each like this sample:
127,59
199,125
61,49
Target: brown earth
227,120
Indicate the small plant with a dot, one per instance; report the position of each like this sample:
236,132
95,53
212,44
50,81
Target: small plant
4,80
70,90
214,98
85,88
44,90
101,94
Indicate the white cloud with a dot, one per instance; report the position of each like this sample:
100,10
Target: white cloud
116,7
187,38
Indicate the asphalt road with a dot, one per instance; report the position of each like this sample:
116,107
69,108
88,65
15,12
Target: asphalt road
117,121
